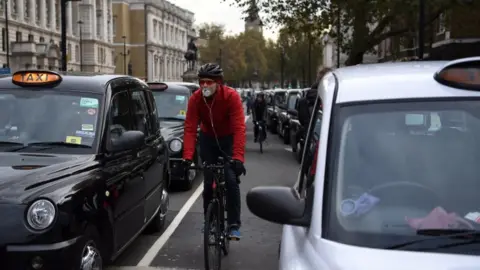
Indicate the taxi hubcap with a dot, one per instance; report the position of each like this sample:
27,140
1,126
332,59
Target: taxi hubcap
91,259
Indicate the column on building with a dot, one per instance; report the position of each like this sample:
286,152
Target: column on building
70,22
165,68
43,14
20,10
32,11
154,67
104,31
160,69
52,13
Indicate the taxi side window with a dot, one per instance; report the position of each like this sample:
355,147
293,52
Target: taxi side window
154,123
141,116
309,159
120,117
292,99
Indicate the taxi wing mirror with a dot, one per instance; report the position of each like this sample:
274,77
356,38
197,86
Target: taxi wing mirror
127,140
280,205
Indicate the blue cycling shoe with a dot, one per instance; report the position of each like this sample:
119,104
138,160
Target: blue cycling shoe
235,234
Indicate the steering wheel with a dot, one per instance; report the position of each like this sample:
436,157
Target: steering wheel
391,190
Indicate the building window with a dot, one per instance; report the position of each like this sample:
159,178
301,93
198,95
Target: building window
18,36
37,11
69,52
41,40
114,25
57,14
113,58
441,24
27,10
31,38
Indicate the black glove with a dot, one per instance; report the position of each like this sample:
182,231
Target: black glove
238,167
186,164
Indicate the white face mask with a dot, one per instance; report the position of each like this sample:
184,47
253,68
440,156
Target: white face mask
206,92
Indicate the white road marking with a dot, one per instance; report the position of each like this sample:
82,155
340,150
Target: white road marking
162,240
146,268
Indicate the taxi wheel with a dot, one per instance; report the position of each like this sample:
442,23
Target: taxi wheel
299,152
157,224
90,255
286,136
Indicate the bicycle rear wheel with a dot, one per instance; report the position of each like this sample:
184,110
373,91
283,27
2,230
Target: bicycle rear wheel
212,238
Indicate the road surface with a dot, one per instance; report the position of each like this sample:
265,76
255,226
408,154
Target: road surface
181,246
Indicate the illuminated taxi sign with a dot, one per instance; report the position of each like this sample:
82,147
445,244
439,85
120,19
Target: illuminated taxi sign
462,74
35,78
158,86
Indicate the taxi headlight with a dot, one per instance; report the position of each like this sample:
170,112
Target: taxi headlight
41,214
175,145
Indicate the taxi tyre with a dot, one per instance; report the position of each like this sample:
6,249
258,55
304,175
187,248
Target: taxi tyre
293,141
91,249
273,126
157,224
299,153
286,135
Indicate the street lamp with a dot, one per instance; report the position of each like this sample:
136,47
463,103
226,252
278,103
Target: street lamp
80,23
63,11
7,33
124,54
282,65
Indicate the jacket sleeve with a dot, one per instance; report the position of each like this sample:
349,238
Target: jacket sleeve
237,120
190,133
302,112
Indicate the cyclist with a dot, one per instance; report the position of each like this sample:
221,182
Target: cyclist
219,111
259,109
305,104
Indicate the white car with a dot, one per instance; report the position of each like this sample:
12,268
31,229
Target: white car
395,181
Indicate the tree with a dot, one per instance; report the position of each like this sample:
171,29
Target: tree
366,22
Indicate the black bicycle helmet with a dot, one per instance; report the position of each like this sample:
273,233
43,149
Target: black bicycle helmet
210,71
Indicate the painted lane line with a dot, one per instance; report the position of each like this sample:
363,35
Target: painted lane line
162,240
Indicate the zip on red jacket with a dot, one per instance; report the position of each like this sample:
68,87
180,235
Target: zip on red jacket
228,119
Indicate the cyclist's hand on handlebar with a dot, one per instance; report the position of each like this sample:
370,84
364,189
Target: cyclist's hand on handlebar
186,163
238,167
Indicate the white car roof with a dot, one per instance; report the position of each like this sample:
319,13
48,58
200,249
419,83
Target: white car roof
387,81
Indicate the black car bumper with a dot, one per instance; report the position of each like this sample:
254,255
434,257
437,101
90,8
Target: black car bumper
58,256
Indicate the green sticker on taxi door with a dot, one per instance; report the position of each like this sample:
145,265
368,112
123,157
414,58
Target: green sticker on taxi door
89,102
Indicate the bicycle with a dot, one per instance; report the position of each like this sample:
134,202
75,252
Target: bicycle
215,216
262,135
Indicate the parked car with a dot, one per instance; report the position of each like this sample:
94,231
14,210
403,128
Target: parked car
171,101
297,130
283,119
82,169
392,182
277,97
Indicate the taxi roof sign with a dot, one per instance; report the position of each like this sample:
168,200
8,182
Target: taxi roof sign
35,78
158,86
462,74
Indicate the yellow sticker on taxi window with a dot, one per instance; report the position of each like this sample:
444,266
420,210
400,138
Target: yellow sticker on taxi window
182,112
74,139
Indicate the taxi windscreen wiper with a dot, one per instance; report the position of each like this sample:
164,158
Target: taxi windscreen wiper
7,143
59,143
469,237
172,118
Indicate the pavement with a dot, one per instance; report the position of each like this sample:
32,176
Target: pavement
180,246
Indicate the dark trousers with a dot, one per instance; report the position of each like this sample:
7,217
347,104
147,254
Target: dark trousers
255,130
210,151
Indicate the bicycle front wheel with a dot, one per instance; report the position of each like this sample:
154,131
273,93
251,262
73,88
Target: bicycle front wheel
212,238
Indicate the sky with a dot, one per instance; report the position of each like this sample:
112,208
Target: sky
216,11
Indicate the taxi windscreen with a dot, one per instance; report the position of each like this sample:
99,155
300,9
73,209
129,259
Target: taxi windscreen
35,117
404,168
171,105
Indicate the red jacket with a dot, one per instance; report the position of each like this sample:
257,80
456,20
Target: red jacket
228,119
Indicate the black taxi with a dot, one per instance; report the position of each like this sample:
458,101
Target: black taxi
276,98
82,164
171,100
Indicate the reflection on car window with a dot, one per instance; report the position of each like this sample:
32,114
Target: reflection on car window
120,115
171,104
140,112
40,116
292,101
401,166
